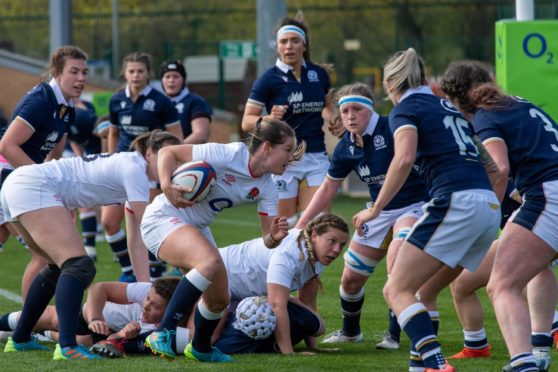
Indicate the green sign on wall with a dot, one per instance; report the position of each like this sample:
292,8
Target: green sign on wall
101,102
527,61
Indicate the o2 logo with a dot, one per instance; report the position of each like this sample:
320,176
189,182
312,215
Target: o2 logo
535,46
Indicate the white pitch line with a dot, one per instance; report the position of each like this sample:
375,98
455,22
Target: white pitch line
11,296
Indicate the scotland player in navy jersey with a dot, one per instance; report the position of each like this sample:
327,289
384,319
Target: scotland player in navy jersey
137,108
367,149
193,111
523,140
81,134
294,91
461,220
38,127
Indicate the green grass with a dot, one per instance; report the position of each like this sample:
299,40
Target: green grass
236,225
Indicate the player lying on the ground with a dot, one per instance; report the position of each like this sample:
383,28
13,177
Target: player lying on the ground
112,310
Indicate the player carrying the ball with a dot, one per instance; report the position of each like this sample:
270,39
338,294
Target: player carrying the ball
176,229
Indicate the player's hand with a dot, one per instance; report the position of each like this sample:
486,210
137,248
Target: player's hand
99,326
279,228
174,195
278,111
336,128
362,217
130,330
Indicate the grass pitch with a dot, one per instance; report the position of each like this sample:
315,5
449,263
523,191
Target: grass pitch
240,224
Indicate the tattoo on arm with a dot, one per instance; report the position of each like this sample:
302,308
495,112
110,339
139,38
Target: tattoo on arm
485,157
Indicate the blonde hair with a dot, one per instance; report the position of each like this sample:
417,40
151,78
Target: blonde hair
404,70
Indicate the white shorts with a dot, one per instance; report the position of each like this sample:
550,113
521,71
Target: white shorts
378,233
160,220
27,191
458,229
312,168
539,212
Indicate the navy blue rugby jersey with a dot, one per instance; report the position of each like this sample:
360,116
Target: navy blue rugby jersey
372,161
306,99
189,107
531,137
50,117
81,130
152,110
447,157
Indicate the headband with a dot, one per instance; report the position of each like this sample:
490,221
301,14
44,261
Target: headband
292,28
361,100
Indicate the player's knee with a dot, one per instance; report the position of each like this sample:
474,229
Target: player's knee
51,273
211,266
359,263
387,292
81,268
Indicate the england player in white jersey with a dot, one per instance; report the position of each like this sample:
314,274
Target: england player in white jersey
176,230
295,264
37,199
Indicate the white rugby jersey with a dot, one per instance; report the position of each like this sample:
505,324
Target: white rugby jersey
118,316
234,185
251,266
98,179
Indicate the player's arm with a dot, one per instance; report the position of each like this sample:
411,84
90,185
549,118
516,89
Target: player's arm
200,131
176,129
167,159
112,138
320,201
56,152
251,115
136,248
274,229
97,296
10,145
278,296
308,295
494,157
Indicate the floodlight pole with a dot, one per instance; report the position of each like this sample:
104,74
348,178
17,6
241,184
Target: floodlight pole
115,40
269,13
60,23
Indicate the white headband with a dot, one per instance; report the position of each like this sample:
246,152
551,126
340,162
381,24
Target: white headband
361,100
291,28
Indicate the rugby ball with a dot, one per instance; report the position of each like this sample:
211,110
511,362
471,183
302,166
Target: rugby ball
197,175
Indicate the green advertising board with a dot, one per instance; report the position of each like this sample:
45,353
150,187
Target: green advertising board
101,102
527,61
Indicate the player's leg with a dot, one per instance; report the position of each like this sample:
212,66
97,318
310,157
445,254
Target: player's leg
116,237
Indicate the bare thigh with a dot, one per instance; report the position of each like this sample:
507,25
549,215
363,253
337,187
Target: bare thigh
53,231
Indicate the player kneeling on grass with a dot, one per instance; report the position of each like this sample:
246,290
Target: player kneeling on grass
113,314
295,264
37,199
